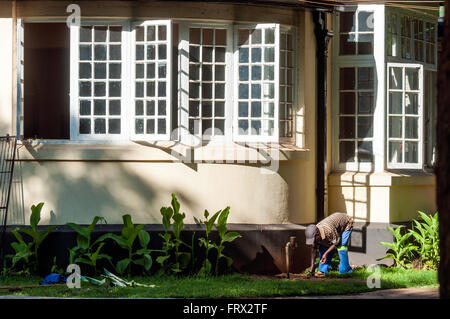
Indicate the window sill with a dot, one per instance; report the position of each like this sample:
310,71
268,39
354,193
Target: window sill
382,179
172,151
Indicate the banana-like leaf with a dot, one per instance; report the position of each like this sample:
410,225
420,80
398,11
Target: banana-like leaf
175,204
144,238
229,237
80,230
35,216
122,265
96,219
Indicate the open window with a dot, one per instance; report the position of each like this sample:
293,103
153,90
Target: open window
45,109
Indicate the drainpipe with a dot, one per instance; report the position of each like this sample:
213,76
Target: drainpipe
323,36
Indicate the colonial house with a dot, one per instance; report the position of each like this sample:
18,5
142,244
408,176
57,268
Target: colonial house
286,111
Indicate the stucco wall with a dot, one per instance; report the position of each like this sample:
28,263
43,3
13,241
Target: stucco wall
382,197
76,182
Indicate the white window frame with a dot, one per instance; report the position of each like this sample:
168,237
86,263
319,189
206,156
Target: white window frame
74,84
356,32
183,84
377,61
132,70
420,154
257,138
127,80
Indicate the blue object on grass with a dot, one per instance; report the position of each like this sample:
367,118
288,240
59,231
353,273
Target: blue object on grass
53,279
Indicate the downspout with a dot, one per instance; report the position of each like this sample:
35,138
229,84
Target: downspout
323,36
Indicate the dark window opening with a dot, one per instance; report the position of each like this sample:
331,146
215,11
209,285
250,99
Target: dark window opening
46,81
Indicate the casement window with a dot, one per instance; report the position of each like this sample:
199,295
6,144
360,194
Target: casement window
257,89
417,38
430,117
356,110
430,40
356,33
151,74
287,85
404,116
97,81
140,80
392,43
405,36
207,80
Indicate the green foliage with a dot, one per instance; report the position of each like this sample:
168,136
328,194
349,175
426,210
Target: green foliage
401,250
126,241
225,237
86,251
206,268
419,243
173,260
27,253
426,235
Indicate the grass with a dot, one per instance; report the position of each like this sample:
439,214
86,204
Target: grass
230,286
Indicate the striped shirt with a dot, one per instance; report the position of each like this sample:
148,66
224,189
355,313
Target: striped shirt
332,227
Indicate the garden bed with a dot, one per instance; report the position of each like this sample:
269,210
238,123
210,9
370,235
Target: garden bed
230,286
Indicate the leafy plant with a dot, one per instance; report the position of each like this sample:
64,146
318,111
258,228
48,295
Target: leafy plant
205,242
426,235
86,251
126,241
401,250
173,223
225,237
27,253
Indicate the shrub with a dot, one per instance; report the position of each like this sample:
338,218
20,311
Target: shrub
426,235
140,257
86,251
27,253
401,249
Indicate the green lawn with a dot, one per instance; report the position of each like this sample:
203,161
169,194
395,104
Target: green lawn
230,286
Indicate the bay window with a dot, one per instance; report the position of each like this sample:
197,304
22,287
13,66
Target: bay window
215,81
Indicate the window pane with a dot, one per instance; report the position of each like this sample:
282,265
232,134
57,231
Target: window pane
100,70
412,79
365,78
395,102
365,103
150,108
347,127
347,21
395,127
139,108
243,127
365,44
411,127
85,107
411,103
365,21
114,126
99,107
347,44
85,89
346,151
243,109
99,126
347,103
114,107
395,152
84,70
411,152
395,78
347,79
365,127
85,126
365,151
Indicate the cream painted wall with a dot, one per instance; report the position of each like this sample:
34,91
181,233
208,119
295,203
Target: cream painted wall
77,191
382,197
6,35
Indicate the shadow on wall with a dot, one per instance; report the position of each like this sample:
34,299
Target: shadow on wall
356,203
85,190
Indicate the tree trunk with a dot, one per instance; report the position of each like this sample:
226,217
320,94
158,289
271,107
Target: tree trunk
443,163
